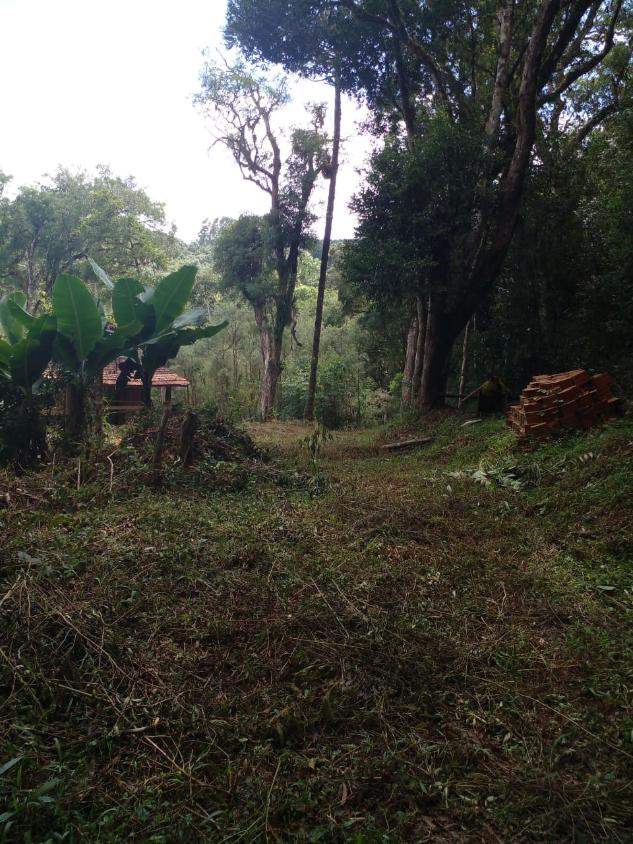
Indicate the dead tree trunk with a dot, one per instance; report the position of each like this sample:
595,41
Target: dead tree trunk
464,366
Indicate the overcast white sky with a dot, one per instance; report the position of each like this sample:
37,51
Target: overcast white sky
85,83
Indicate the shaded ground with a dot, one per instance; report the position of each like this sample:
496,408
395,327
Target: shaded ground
437,647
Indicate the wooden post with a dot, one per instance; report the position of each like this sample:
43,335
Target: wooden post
157,460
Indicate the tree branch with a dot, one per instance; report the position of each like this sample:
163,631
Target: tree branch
585,67
399,28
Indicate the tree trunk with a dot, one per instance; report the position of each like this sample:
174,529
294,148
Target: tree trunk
147,392
187,436
270,351
76,416
464,366
97,393
409,362
440,336
419,351
32,443
327,235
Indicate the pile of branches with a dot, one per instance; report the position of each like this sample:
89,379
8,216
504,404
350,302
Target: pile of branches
192,437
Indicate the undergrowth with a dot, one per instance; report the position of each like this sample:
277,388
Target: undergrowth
436,647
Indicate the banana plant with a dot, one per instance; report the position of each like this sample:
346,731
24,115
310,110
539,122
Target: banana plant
165,325
24,356
84,345
27,351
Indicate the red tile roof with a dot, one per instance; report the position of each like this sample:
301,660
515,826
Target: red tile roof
162,377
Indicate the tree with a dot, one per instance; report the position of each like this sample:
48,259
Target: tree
51,228
325,253
244,259
307,46
244,106
504,75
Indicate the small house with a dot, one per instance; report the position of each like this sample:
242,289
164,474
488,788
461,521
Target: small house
124,400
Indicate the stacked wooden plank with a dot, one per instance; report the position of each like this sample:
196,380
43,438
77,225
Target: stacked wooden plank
573,399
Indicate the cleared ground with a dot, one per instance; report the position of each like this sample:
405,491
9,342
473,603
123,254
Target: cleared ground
433,645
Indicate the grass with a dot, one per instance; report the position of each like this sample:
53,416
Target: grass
428,646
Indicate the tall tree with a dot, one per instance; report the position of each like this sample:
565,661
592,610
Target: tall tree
325,254
502,74
244,106
310,46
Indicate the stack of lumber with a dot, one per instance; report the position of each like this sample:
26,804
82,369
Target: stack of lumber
568,400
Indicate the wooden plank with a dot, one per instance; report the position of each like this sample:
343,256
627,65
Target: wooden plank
406,444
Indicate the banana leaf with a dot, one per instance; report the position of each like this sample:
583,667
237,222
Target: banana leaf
171,294
12,324
77,315
128,307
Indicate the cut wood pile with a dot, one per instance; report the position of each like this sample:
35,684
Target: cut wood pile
573,399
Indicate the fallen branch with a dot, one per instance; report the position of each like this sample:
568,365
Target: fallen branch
406,444
30,495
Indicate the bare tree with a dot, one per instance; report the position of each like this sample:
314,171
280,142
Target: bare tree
243,106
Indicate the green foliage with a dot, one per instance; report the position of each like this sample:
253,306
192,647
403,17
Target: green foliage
155,324
314,443
77,315
414,213
27,351
50,229
169,297
127,305
243,259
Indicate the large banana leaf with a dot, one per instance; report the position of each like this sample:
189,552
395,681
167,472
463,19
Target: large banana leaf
171,295
16,306
13,327
78,317
128,307
5,352
159,350
5,359
31,356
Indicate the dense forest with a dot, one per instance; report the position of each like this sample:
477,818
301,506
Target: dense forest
275,566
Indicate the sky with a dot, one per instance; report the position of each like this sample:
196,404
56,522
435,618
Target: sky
86,83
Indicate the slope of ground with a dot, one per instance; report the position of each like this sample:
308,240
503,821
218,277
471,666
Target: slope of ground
435,647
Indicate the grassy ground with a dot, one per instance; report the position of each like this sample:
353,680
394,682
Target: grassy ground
425,646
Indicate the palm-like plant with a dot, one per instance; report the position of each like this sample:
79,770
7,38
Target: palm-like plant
24,356
151,327
164,325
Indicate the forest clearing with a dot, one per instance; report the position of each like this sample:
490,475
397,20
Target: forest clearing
428,646
316,435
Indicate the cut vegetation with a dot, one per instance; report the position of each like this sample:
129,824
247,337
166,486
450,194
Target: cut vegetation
436,647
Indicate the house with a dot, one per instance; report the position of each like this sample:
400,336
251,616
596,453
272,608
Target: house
129,398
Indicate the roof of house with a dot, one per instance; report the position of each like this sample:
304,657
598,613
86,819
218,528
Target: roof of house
162,377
